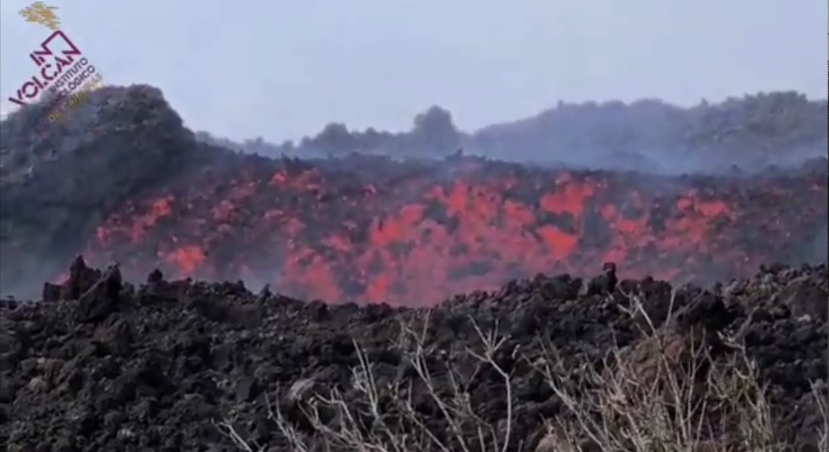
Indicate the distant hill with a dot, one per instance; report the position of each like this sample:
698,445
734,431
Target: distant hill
752,132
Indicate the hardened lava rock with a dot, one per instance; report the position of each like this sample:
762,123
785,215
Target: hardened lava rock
110,366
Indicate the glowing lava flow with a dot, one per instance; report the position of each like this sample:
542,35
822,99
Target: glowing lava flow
420,238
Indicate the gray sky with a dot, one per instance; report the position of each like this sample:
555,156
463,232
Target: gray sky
282,70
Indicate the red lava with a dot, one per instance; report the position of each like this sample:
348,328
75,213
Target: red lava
422,238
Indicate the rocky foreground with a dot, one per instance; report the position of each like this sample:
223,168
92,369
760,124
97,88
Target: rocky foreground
101,365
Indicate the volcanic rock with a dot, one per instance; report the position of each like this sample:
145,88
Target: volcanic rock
324,230
135,370
75,172
123,181
98,364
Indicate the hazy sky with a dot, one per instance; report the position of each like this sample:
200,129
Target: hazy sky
282,69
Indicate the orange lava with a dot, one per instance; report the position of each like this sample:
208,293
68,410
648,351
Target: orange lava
422,238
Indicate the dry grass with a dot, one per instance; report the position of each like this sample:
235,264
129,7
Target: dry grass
665,395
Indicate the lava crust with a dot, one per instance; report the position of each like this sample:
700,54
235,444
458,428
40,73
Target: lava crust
124,181
101,365
98,364
412,233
